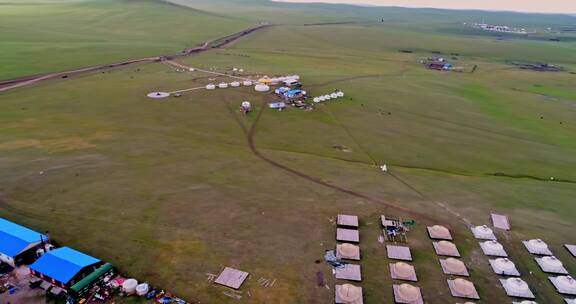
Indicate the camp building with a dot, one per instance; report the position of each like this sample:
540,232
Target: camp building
64,267
18,244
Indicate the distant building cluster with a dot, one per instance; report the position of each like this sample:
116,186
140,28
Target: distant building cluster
499,28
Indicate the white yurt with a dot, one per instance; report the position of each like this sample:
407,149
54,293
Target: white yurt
408,293
516,285
129,286
241,70
142,289
483,232
537,244
210,87
464,287
440,232
454,265
222,85
348,251
327,97
316,100
551,262
403,270
261,88
246,105
158,94
340,94
350,294
503,265
446,248
493,248
247,83
235,84
191,69
334,95
566,283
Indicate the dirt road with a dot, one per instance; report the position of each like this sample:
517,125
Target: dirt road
212,44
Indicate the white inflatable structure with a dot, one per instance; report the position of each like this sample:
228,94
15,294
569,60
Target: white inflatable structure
129,286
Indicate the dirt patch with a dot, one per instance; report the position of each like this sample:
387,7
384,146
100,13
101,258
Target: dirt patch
342,148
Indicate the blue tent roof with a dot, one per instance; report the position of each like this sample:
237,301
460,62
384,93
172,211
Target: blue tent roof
15,238
63,264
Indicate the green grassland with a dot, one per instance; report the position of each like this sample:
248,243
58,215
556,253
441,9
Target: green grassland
170,191
47,36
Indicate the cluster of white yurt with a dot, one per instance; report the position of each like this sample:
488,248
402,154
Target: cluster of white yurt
261,88
327,97
210,86
129,286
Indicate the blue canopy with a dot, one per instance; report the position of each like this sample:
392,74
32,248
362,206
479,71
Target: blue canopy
15,238
63,264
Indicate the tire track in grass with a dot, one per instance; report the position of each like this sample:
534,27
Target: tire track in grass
318,181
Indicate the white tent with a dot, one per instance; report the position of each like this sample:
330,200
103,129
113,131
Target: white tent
223,85
210,87
235,84
247,83
261,88
483,233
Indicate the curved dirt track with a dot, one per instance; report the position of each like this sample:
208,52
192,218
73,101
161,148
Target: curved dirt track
318,181
212,44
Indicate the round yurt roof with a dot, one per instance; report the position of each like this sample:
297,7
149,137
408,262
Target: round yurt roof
504,264
348,250
454,265
261,88
551,261
408,292
334,95
349,293
483,230
464,287
158,94
566,282
247,82
493,245
446,246
210,86
517,284
403,270
439,230
537,243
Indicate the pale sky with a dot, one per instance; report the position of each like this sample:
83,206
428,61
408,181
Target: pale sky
537,6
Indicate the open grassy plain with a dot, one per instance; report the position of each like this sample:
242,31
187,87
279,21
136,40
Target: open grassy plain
171,190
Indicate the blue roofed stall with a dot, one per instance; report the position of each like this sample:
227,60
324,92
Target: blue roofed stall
18,244
64,267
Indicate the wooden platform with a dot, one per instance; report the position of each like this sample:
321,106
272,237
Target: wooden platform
347,235
571,249
349,272
500,221
347,220
399,253
231,277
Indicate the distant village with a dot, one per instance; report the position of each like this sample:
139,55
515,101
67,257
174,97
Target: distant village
499,28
